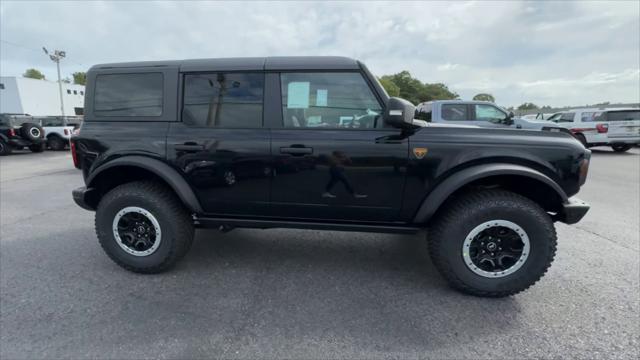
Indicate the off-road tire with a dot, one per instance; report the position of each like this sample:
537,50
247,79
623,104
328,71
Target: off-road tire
620,148
175,223
5,149
468,210
37,148
56,143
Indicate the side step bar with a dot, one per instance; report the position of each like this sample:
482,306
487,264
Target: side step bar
225,224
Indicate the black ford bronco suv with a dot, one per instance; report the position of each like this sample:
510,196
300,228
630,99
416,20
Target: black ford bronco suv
17,131
314,143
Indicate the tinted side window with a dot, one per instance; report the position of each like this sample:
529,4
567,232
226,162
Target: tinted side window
227,100
567,117
624,115
328,100
128,95
455,112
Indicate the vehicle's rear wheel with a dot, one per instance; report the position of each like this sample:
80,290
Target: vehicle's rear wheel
582,139
492,243
56,142
143,227
5,149
620,147
36,148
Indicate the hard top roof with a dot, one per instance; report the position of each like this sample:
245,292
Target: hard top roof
245,63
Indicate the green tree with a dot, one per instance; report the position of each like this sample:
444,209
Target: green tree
437,91
391,88
528,106
80,78
33,74
484,97
415,91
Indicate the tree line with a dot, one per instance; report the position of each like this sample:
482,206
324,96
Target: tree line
79,77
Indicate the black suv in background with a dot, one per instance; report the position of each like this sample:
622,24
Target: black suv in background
314,143
16,132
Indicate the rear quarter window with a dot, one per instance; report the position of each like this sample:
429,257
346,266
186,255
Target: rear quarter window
623,115
129,94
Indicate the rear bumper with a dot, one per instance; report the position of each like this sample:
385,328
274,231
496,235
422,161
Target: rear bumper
624,139
573,211
84,197
18,141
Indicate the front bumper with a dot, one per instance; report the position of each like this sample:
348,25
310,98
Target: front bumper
85,197
573,211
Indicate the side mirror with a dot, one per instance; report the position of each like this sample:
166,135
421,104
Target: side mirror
509,119
399,113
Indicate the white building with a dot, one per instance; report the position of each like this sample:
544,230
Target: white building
21,95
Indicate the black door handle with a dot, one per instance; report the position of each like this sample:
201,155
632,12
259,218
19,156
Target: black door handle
296,150
189,147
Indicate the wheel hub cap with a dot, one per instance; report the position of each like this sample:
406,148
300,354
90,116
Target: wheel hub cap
137,231
496,248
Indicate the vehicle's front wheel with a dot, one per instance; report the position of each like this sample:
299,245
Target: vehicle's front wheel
620,147
37,148
492,243
143,227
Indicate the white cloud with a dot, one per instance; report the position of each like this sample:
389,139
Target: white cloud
552,53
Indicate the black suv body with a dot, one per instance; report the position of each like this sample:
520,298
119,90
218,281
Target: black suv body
314,143
18,132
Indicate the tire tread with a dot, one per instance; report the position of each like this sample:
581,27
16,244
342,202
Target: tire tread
166,199
449,217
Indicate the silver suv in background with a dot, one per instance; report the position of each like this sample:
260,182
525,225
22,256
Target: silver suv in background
478,113
615,127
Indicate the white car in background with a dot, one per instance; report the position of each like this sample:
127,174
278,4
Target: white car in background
615,127
58,130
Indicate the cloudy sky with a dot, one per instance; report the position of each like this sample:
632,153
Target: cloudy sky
549,53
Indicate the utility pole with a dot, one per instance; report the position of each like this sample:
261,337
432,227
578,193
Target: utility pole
55,57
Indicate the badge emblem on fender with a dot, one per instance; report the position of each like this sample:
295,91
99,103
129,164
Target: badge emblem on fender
420,152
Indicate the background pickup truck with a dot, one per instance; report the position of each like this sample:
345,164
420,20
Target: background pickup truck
478,113
58,130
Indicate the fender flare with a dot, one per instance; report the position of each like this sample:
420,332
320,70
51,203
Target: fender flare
4,137
463,177
162,170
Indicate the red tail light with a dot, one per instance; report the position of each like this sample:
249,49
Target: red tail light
602,128
74,156
12,132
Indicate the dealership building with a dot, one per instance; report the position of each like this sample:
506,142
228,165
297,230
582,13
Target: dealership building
19,95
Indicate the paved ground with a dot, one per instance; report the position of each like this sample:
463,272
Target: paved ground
305,294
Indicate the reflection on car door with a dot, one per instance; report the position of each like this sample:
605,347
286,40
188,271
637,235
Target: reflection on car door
333,158
220,146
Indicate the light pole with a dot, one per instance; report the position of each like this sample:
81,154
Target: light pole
55,57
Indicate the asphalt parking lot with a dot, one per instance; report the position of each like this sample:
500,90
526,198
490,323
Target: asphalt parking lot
305,294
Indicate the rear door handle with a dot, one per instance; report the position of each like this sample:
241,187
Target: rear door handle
296,150
189,147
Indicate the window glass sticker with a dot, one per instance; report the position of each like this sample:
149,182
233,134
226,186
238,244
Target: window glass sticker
321,97
298,95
